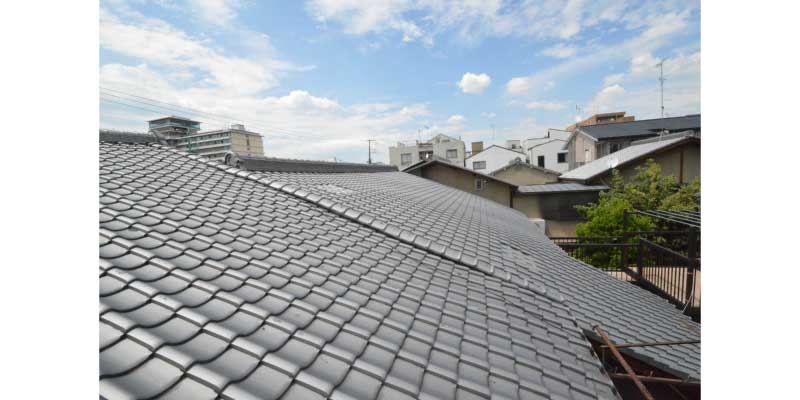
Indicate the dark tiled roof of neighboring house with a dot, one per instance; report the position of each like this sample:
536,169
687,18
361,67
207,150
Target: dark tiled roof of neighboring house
426,163
219,281
561,188
291,165
113,136
515,163
645,127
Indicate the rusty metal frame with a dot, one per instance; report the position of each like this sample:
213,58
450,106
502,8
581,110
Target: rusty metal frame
626,345
630,374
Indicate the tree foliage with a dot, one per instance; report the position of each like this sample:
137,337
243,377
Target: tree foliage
647,190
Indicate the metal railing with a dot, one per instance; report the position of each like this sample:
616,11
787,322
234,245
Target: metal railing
666,263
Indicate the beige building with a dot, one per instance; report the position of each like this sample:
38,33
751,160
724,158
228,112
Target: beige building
184,134
600,119
521,173
215,144
554,203
440,146
486,186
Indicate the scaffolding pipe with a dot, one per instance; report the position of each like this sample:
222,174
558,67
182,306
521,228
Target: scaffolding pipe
656,379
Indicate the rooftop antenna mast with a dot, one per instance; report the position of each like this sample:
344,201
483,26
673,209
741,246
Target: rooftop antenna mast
661,80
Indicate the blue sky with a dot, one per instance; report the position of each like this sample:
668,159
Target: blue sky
317,78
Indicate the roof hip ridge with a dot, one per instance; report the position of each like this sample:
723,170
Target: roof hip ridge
402,235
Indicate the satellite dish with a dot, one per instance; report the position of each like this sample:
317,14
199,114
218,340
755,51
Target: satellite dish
613,162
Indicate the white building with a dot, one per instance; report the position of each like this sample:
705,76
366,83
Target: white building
493,158
548,152
442,146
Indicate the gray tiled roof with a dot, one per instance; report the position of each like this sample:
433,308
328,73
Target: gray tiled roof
107,135
220,282
645,127
629,154
502,242
291,165
561,188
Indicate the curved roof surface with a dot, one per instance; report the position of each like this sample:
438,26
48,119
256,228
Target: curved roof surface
220,282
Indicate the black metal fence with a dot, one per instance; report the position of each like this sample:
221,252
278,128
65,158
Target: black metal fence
666,263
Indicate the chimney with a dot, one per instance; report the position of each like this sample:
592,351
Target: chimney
477,147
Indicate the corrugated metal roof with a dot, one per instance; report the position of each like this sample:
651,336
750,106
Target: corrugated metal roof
619,158
646,127
561,188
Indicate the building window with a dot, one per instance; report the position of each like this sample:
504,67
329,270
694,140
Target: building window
479,184
562,157
453,153
540,161
405,158
614,147
479,165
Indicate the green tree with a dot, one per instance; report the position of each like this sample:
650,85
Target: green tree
647,190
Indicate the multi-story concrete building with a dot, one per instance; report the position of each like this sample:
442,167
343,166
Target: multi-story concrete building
441,146
184,134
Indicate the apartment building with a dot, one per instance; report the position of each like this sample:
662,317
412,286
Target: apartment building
184,134
440,146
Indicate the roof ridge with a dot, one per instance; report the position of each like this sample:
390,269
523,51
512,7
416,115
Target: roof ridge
400,234
638,120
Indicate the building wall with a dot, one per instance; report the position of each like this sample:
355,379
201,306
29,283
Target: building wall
577,151
465,180
438,145
241,145
557,209
670,162
495,157
523,175
549,148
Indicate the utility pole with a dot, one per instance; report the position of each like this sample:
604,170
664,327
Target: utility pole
369,150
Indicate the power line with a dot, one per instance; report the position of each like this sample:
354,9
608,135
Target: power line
197,111
222,122
208,115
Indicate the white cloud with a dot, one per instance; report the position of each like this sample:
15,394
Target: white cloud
488,115
518,85
218,12
300,99
545,105
456,120
607,99
469,21
473,83
194,78
560,50
613,79
656,33
157,42
643,63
